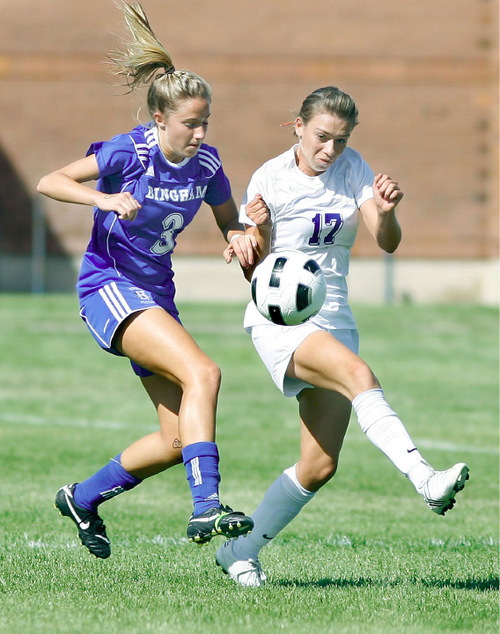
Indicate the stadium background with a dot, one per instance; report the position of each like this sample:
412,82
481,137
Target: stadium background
424,76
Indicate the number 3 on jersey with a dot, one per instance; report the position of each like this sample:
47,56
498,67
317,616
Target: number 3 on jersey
326,227
166,243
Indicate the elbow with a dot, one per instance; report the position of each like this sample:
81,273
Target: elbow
41,188
391,248
389,243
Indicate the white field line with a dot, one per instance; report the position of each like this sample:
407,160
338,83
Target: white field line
41,421
206,329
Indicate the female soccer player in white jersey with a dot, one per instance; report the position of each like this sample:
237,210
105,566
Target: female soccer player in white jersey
310,198
151,183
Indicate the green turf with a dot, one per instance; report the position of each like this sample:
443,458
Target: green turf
365,556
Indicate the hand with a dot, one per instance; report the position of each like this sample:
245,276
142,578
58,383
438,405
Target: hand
124,205
243,247
386,193
258,211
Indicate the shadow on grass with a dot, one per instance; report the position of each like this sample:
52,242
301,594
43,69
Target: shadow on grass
481,585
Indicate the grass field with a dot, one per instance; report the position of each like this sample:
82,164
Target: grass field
365,556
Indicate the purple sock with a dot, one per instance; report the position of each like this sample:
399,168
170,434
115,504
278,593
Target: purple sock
201,460
109,481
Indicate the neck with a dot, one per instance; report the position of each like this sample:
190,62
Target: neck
165,150
168,154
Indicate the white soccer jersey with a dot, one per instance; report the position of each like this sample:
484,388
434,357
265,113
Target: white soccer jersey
317,215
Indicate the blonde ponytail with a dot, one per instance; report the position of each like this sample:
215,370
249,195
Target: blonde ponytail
144,56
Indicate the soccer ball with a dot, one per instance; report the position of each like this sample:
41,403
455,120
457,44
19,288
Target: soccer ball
288,287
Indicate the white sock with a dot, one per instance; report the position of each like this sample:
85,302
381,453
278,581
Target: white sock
281,503
385,430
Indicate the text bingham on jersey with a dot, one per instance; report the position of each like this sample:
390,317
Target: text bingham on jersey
161,194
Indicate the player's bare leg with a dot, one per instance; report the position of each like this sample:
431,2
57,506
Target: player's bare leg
156,341
146,457
160,450
322,360
324,417
324,420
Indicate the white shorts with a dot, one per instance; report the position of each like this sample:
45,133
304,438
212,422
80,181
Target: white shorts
276,345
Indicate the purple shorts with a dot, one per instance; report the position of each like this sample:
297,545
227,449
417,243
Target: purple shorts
109,305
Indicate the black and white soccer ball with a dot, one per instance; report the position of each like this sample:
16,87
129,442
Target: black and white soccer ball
288,287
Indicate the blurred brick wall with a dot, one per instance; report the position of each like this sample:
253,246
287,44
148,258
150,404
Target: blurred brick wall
424,76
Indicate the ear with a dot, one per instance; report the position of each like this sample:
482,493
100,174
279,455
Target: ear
299,126
160,119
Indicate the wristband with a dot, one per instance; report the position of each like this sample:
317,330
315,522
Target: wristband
235,235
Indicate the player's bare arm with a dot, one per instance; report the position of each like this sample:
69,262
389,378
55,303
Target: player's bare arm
67,185
387,193
258,211
244,246
226,216
253,245
379,212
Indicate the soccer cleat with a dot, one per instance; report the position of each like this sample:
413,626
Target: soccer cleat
218,521
245,572
440,489
91,529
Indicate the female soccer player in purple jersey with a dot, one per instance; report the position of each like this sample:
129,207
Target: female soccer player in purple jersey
310,199
151,183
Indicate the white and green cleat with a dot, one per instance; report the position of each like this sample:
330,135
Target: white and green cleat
441,487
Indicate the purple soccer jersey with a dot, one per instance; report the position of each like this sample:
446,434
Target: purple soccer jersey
170,195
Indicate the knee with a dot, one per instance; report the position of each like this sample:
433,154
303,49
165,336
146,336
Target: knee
317,475
361,378
325,473
207,375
